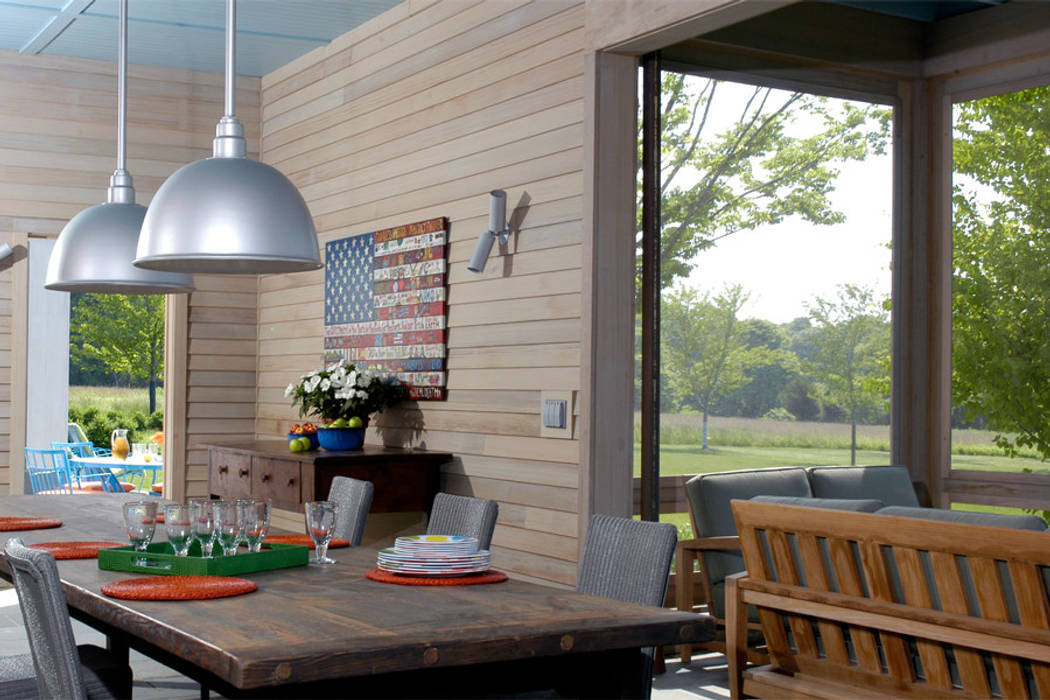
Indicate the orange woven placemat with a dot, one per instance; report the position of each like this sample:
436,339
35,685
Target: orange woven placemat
179,587
75,550
11,524
490,576
336,543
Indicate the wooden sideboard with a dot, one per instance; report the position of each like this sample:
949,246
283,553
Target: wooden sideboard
405,480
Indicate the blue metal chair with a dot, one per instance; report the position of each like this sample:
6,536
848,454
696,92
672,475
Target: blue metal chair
48,471
74,433
94,477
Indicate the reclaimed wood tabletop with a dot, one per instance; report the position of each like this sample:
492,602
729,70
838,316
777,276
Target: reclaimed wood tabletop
312,623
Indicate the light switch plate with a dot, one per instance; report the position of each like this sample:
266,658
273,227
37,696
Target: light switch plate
557,407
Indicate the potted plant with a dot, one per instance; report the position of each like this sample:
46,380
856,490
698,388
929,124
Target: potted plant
344,398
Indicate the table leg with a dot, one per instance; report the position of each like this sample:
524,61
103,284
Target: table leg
117,644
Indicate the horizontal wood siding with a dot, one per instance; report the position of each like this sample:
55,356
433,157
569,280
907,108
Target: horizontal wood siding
418,114
57,150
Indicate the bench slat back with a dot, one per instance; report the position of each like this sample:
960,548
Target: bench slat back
901,605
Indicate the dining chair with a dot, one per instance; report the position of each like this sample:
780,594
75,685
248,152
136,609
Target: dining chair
628,560
464,516
63,669
354,497
48,471
17,677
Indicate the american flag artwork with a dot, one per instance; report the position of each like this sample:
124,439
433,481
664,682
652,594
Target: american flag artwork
385,304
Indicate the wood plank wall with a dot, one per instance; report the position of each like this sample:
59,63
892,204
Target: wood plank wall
417,114
57,151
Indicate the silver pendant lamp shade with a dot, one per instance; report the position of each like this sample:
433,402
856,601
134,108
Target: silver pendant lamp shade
228,213
95,250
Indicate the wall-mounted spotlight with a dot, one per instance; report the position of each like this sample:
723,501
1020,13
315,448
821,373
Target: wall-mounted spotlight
497,229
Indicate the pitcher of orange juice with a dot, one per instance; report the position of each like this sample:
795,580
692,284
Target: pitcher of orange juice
119,442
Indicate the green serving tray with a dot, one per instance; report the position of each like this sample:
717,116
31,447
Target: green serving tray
161,560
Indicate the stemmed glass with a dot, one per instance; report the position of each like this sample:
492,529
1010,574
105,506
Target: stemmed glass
203,518
140,521
179,525
242,518
320,522
228,526
256,522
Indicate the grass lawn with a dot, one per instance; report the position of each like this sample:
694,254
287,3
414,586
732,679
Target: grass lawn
106,398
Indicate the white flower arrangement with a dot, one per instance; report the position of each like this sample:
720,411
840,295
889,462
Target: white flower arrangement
343,391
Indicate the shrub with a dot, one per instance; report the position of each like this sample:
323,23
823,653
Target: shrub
99,426
779,413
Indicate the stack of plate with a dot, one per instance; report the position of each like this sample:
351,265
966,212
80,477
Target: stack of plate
434,555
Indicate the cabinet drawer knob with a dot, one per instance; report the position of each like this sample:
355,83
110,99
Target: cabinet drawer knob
291,482
224,468
266,477
243,473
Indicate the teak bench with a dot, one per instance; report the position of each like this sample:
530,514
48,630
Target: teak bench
868,605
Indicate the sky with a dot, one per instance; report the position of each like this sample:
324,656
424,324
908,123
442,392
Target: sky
784,266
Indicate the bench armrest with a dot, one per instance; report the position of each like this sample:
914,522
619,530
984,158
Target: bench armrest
708,544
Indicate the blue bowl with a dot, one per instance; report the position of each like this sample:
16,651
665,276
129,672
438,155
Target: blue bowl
341,438
314,444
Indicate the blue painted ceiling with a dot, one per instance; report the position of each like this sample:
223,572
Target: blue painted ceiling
183,33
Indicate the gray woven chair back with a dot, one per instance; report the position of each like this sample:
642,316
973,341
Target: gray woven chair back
627,560
355,500
47,623
464,516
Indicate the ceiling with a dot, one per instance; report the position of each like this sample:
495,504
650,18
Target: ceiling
920,10
182,33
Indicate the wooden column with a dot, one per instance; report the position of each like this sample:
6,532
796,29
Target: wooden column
922,279
607,348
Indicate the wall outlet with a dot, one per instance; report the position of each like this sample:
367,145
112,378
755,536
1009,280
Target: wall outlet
557,414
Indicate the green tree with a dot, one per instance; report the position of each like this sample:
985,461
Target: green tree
703,350
124,332
1001,287
851,339
755,172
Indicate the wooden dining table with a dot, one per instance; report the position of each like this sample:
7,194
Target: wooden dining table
329,630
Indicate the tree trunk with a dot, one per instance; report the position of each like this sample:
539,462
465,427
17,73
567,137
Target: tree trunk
853,444
152,394
703,444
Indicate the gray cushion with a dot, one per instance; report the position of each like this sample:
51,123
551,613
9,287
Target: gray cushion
858,505
709,497
890,484
1014,522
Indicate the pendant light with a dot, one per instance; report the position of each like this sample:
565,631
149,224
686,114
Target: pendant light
95,250
228,213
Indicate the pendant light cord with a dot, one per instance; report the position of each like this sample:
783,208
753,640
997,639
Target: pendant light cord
122,87
231,53
229,134
121,188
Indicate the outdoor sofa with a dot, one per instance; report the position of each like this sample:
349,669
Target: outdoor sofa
903,602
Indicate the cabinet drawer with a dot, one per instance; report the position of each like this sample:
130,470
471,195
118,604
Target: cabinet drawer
229,474
277,479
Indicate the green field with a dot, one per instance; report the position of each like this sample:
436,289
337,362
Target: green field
106,398
745,443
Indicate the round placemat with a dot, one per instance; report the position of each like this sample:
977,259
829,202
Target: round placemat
12,524
159,519
490,576
75,550
336,543
179,587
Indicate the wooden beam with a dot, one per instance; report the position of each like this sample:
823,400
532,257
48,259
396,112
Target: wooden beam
54,28
997,36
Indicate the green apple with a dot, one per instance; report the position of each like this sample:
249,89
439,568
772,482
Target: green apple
355,422
340,423
295,445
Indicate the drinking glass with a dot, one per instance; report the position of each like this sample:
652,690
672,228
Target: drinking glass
138,449
179,526
228,526
320,521
242,517
140,521
203,518
256,522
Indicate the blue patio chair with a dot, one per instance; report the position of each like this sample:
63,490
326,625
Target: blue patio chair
75,449
74,433
95,477
48,471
